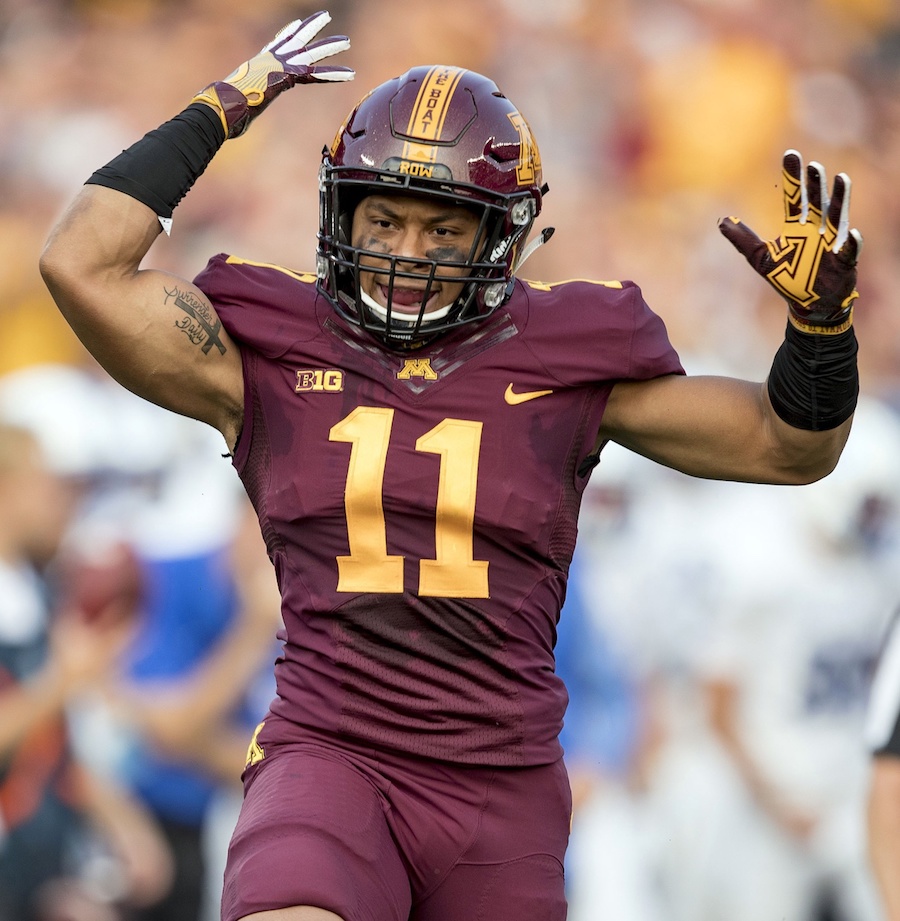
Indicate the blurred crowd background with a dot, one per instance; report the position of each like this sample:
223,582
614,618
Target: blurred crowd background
719,640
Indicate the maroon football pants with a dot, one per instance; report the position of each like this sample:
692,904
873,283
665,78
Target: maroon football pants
380,837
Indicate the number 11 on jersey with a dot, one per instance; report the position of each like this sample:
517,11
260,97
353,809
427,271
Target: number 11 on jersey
453,573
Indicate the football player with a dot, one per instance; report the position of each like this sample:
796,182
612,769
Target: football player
415,426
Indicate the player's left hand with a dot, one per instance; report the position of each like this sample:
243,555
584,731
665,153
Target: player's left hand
290,58
812,264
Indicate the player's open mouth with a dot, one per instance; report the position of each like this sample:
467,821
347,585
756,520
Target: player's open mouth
408,300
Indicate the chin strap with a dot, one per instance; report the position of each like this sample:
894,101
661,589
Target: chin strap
532,247
399,318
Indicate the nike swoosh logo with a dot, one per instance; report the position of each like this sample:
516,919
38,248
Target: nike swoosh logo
514,398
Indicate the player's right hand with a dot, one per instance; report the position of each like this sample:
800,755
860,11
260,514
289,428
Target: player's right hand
290,58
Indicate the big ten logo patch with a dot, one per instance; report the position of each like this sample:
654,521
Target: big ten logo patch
417,367
320,380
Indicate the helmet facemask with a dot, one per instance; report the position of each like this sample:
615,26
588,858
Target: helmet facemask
484,273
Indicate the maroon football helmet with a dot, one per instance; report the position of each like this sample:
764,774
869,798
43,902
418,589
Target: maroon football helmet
448,133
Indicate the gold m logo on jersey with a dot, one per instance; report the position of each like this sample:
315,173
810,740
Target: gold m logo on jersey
417,367
529,155
324,380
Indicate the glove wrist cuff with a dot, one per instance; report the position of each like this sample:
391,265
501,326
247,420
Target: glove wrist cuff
831,327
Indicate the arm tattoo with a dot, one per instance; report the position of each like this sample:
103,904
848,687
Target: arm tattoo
199,324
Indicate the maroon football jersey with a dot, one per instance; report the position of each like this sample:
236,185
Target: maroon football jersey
421,508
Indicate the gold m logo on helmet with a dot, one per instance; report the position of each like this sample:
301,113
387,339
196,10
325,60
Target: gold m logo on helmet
417,367
529,156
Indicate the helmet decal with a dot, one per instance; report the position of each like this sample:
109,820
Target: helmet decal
426,121
529,156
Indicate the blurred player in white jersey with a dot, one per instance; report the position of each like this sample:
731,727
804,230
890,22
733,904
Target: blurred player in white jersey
883,740
803,609
754,615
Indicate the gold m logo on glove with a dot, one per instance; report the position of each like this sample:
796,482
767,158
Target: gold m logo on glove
812,264
807,234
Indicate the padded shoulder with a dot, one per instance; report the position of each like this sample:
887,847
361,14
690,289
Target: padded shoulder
265,306
589,331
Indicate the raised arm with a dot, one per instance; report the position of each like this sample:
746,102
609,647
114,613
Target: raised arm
157,334
792,428
154,333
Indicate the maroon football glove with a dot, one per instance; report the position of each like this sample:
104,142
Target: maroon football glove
288,59
812,264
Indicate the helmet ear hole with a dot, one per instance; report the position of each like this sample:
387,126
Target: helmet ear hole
347,200
345,222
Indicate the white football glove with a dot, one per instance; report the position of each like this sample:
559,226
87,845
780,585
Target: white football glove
290,58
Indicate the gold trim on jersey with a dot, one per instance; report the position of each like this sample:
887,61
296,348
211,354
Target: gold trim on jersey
307,277
550,285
